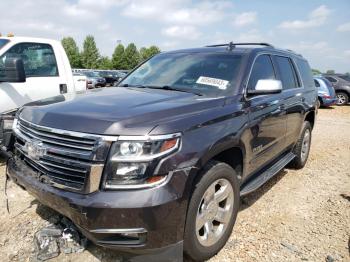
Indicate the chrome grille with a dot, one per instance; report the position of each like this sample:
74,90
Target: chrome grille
72,161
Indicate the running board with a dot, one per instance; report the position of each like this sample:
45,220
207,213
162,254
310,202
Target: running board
266,175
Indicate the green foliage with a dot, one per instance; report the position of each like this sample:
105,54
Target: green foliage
347,73
118,57
72,51
330,72
105,63
131,56
90,58
316,72
90,55
146,53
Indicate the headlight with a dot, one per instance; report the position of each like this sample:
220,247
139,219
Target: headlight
7,124
132,160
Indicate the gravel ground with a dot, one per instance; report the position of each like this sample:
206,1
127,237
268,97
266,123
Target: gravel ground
297,216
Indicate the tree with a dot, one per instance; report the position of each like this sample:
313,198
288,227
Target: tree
118,57
90,55
72,51
330,72
131,56
146,53
316,72
105,63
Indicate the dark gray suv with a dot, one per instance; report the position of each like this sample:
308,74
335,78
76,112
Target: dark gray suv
158,164
341,84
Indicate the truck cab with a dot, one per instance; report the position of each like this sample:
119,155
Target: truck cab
31,69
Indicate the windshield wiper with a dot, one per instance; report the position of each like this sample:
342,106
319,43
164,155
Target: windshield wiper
171,88
166,87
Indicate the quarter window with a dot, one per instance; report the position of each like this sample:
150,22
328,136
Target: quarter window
262,69
331,79
306,74
38,59
287,73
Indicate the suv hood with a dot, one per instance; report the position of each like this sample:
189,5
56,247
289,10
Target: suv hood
122,111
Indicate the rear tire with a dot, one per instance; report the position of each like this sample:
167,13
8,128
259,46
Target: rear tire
302,147
343,98
204,235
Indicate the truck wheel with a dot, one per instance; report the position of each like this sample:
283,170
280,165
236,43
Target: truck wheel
343,98
212,211
302,147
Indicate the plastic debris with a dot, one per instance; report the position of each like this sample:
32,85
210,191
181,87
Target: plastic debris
56,238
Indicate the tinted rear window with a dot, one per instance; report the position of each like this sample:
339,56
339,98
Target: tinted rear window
287,73
306,74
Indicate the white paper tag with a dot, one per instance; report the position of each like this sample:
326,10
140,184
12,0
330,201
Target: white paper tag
220,83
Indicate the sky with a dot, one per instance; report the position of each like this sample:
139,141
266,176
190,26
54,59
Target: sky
319,30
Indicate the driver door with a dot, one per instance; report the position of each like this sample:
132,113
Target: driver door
267,116
42,76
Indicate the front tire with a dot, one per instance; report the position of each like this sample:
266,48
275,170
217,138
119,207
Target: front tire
343,98
212,211
302,147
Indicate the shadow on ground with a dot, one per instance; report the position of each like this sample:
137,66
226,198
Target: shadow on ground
249,200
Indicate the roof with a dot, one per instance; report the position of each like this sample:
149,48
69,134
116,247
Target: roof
29,39
237,48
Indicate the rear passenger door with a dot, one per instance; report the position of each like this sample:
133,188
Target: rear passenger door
292,95
267,117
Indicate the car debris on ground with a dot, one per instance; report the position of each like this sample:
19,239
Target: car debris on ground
63,237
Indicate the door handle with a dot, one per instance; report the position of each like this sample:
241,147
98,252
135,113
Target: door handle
63,88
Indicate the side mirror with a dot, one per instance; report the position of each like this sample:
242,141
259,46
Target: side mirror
13,71
266,86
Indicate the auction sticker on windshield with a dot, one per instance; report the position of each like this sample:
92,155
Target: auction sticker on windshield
220,83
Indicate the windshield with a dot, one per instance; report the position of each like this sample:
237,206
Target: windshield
204,73
92,74
3,42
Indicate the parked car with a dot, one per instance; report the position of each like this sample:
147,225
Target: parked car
341,84
31,69
158,165
112,78
325,92
94,80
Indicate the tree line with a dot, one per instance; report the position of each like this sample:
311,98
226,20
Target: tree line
89,57
330,71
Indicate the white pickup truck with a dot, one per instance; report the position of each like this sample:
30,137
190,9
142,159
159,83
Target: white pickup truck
31,69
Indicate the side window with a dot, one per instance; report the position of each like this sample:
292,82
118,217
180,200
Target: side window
287,72
39,59
262,69
317,84
331,79
306,74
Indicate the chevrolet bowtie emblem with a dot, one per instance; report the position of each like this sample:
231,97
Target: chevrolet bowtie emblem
35,149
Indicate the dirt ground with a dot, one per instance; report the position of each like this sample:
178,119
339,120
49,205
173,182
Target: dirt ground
299,215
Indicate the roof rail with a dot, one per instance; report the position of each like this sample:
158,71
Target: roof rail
232,45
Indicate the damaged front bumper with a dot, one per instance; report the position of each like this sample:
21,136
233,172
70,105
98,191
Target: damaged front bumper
143,221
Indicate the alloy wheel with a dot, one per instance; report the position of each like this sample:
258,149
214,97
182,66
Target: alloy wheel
214,212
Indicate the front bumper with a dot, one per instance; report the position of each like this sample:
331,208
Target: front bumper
160,212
